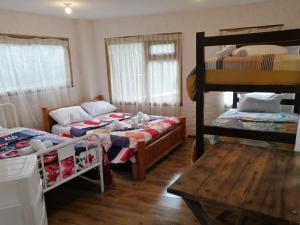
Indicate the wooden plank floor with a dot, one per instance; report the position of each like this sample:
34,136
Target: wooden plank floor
127,202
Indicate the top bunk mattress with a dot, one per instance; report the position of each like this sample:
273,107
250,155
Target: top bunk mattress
283,69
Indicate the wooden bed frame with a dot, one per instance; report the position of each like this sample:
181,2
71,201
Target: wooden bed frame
283,38
147,154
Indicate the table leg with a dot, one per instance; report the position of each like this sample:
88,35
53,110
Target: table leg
223,215
241,220
199,212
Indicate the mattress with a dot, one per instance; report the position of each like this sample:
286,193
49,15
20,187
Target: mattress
252,70
277,122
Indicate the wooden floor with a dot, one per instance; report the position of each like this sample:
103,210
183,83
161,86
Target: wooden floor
127,202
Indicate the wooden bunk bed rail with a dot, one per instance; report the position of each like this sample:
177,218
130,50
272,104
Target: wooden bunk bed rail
283,38
281,137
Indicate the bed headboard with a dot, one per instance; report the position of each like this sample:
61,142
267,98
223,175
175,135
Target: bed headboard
48,122
294,102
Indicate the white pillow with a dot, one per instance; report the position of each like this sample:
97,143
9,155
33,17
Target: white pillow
293,50
98,107
226,51
260,102
67,115
259,50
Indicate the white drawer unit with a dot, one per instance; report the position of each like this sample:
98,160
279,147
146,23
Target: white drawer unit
21,195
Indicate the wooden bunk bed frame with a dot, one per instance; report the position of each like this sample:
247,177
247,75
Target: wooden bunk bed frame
283,38
147,154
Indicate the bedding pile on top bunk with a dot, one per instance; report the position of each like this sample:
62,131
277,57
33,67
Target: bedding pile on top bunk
119,132
247,69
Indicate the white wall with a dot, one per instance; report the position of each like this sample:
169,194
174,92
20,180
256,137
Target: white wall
286,12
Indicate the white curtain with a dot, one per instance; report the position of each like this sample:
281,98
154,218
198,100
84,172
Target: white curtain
145,73
34,73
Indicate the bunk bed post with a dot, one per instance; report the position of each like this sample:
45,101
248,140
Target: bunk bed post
200,82
297,102
235,100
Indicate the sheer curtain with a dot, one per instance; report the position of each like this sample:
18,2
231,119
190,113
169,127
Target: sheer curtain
34,72
145,73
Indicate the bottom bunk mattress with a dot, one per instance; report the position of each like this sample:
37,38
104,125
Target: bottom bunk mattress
56,165
120,143
277,122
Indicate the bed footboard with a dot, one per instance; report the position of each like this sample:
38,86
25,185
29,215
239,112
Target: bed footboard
149,154
68,160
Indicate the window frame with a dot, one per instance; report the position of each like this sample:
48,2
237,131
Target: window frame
151,58
21,36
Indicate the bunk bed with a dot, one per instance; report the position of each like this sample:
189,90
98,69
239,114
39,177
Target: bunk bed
285,78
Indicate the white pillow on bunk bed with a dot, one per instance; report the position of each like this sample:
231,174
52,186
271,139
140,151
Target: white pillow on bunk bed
96,108
259,50
260,102
67,115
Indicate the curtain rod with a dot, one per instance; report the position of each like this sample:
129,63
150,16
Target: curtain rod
32,36
141,35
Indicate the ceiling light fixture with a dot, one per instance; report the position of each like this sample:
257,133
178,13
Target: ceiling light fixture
68,9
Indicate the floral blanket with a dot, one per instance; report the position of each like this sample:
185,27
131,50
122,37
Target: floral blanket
81,128
13,143
72,159
278,122
121,144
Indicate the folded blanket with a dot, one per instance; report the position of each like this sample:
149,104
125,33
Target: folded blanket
117,125
38,145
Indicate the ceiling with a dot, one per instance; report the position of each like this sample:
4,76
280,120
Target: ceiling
96,9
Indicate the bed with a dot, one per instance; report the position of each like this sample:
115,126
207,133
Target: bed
277,73
61,161
143,146
283,122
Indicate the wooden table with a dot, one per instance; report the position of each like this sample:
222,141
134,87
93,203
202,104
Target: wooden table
254,182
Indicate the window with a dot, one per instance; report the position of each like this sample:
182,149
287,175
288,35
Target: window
145,69
31,63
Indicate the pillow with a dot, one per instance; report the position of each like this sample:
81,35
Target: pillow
67,115
259,50
260,102
293,50
227,50
98,107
